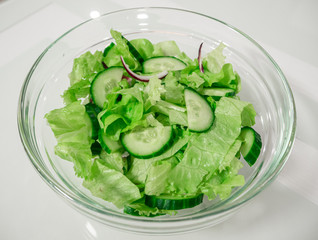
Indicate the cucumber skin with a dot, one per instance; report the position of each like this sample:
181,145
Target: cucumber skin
97,75
102,143
173,204
161,150
191,89
92,110
107,49
255,150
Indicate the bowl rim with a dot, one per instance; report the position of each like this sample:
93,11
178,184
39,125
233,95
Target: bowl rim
67,195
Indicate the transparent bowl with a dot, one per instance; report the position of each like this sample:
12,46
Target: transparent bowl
263,84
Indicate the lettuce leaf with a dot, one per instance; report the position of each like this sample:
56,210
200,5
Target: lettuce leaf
153,91
174,90
186,59
111,185
86,66
176,117
72,128
215,59
124,114
83,72
79,90
77,153
144,47
114,161
70,124
122,49
221,182
166,48
157,177
210,152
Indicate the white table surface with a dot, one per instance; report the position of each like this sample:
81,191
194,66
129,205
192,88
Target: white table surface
287,209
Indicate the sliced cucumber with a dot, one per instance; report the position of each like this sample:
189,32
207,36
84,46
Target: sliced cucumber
199,111
173,203
160,64
148,142
92,111
251,146
108,48
107,144
218,92
104,82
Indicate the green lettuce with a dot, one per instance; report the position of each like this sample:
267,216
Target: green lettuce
221,182
111,185
153,90
215,59
114,161
122,49
124,114
72,128
207,154
144,47
77,153
86,66
79,90
71,124
83,72
166,48
209,149
174,90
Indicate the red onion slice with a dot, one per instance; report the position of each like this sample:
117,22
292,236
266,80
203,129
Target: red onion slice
141,77
104,65
200,59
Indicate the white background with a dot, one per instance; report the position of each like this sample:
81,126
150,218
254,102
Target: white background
288,209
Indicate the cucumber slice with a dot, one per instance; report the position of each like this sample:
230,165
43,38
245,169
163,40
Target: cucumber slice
171,202
251,146
107,144
160,64
92,111
104,82
218,92
199,111
107,49
148,142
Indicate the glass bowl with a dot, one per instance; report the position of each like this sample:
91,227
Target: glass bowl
263,84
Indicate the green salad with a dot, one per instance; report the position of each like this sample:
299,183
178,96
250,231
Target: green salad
153,131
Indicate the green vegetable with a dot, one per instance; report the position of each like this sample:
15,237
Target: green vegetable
111,185
72,128
154,147
122,49
144,47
